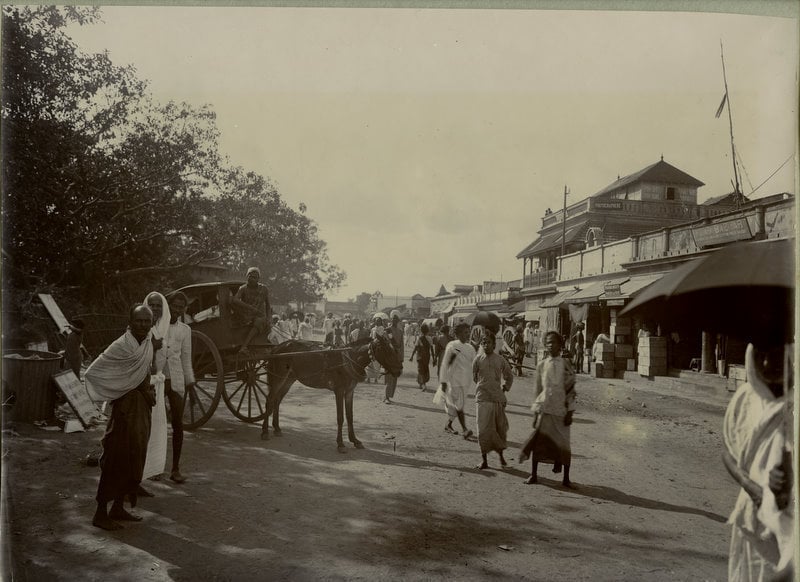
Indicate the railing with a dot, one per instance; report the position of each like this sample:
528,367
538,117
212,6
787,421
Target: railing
652,208
540,279
773,220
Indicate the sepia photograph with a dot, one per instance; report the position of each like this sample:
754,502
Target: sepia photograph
318,291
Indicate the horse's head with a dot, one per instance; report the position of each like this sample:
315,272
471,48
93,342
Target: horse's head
358,358
383,351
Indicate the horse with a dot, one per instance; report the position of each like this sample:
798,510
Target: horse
337,370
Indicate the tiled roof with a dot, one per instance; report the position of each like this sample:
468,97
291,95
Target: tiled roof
553,240
729,198
661,171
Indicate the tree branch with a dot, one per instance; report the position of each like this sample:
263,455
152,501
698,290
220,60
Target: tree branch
190,261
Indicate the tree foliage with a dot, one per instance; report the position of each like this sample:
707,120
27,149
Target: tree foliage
107,193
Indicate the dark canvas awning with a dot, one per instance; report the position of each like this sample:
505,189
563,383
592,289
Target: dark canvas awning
553,240
449,308
634,285
593,291
461,315
557,299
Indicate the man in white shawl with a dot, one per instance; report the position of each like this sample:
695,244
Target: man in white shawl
757,432
455,378
121,375
157,445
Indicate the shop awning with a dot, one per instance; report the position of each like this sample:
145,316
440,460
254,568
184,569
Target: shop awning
593,291
533,314
513,310
634,285
553,240
461,315
449,308
557,299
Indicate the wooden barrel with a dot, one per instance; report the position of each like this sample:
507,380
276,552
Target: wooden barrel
27,373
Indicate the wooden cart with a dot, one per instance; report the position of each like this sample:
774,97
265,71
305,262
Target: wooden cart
220,371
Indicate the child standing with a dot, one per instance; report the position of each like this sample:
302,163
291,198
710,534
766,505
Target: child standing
553,405
493,378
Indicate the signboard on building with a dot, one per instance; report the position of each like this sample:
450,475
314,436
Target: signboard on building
607,204
722,232
612,290
615,302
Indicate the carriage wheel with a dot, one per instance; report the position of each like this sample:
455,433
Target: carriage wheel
245,393
201,400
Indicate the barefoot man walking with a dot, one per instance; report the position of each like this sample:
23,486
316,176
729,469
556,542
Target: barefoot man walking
121,375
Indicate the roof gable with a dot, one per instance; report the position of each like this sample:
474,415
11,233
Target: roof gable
661,171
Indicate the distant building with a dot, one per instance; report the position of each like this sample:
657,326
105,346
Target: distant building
730,201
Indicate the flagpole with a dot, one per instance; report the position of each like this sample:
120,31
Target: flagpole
737,194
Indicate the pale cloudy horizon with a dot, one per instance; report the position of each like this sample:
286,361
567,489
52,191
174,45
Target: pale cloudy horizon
427,144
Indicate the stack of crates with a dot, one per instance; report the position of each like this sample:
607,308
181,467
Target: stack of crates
620,332
653,356
623,358
604,366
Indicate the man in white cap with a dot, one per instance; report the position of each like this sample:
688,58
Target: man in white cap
251,307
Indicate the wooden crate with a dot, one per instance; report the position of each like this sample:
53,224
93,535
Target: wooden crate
601,370
652,370
623,351
652,341
652,352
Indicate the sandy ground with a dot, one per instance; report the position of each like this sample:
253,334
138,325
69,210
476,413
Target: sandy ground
651,502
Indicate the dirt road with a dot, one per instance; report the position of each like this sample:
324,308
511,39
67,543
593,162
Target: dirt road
651,502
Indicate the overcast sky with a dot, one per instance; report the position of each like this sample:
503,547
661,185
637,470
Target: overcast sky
427,144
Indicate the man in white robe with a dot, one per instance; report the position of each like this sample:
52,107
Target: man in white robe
455,378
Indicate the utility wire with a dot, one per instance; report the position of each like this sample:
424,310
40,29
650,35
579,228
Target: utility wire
772,174
744,170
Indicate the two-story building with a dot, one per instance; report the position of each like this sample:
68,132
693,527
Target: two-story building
589,261
657,196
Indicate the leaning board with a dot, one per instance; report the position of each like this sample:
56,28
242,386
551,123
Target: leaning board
77,396
55,311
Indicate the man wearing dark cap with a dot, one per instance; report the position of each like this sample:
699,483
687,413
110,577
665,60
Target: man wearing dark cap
251,307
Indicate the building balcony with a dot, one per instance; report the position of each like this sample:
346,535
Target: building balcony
673,210
539,279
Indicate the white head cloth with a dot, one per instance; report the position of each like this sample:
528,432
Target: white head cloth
161,325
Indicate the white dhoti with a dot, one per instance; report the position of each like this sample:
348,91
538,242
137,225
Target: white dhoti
157,445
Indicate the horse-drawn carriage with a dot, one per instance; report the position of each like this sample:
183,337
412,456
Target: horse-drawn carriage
253,384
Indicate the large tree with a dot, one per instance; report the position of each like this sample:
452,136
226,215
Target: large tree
107,193
97,179
253,226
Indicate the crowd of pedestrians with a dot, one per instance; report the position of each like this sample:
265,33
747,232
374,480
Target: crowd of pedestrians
144,369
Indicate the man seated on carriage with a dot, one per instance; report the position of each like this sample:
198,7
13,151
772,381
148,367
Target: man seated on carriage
251,307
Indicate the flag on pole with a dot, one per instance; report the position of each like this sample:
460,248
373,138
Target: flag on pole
721,105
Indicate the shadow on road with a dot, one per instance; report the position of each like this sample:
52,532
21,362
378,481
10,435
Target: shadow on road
617,496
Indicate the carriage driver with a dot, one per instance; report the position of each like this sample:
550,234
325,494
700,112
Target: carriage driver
251,307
